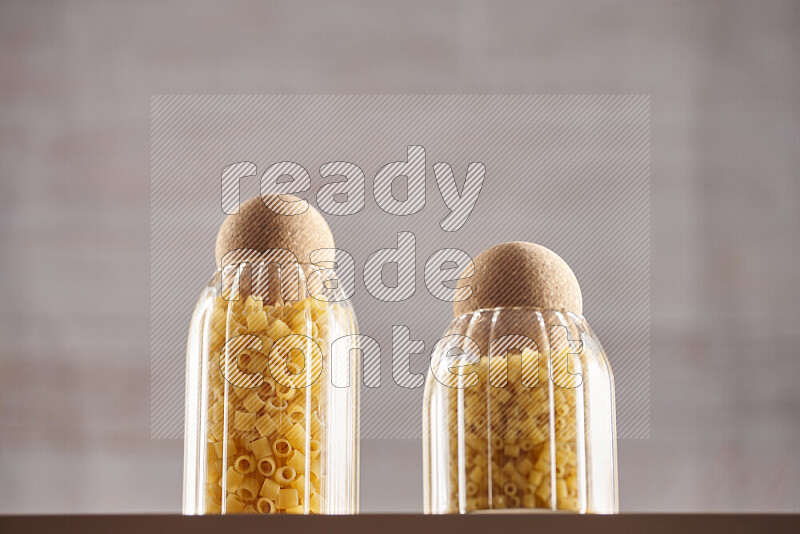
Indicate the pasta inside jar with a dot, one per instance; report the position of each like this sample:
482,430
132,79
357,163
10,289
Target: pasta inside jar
265,423
522,421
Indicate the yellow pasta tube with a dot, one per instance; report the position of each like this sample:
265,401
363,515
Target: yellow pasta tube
476,475
543,492
267,390
314,447
296,411
273,461
282,448
245,464
276,405
568,503
265,425
535,477
497,443
212,454
518,479
257,322
314,476
543,463
213,508
315,503
469,461
524,466
253,402
297,437
244,421
284,424
509,468
214,494
502,395
296,317
316,424
267,342
565,457
221,448
295,367
285,393
316,466
572,483
216,411
265,506
248,489
284,475
258,364
509,488
233,504
243,362
233,479
287,498
561,489
266,466
299,484
278,329
213,474
251,305
298,461
260,448
270,489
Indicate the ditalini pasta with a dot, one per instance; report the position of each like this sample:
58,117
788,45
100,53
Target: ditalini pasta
257,435
512,445
522,415
266,431
518,478
263,443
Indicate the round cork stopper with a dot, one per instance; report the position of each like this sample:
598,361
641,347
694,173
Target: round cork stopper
520,274
259,228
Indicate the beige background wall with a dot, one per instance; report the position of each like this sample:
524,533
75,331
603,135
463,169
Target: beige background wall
75,86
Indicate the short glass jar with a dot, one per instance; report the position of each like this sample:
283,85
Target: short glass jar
519,416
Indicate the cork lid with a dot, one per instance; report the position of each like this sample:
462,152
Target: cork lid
520,274
259,228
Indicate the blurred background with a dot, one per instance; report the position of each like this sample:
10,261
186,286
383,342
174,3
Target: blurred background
75,91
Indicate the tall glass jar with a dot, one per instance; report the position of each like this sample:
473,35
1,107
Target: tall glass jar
266,431
519,416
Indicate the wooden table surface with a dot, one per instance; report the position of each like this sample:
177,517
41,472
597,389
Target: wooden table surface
418,524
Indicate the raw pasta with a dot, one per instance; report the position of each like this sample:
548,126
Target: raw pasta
257,436
507,442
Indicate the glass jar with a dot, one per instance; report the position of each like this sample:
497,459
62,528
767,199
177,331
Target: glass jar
266,431
519,416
